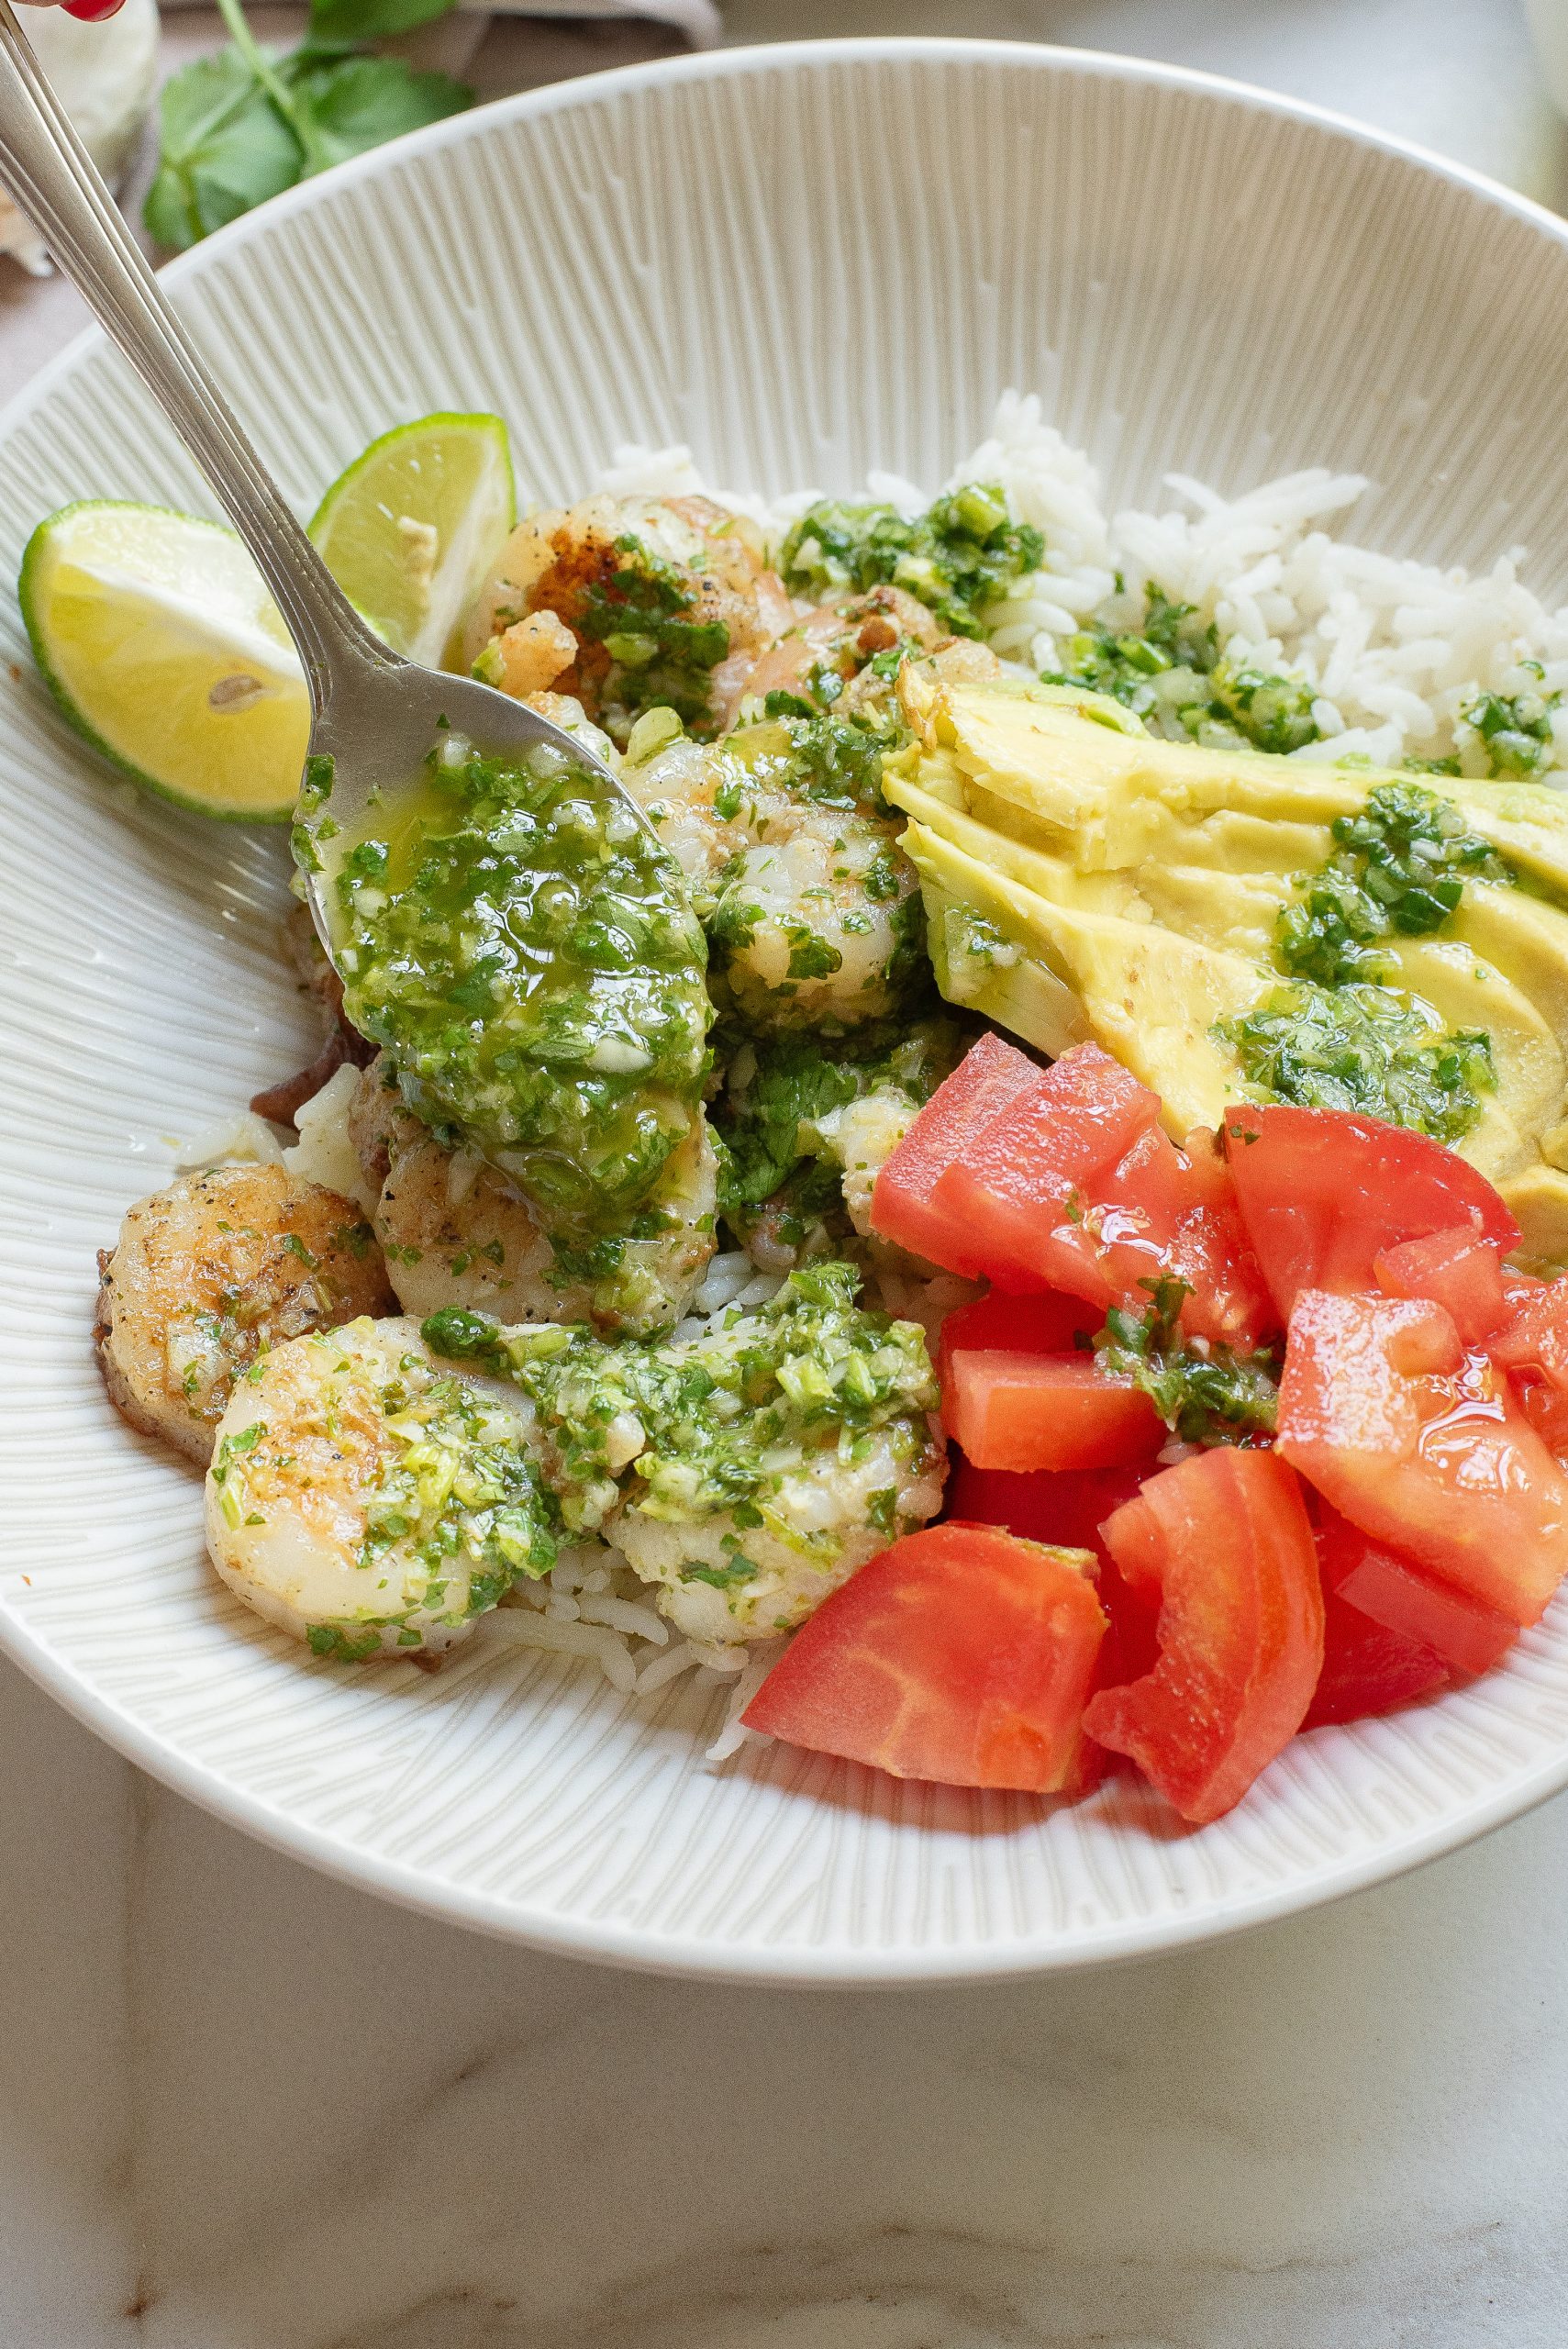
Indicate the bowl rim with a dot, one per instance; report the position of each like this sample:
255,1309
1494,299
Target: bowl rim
636,1947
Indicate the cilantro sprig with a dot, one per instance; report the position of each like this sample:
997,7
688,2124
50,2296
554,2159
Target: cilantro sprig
242,126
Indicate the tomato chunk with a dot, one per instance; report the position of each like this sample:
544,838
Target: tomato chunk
1423,1448
1044,1324
1226,1538
1022,1412
959,1654
1535,1335
1164,1213
1367,1669
1459,1269
1065,1506
1390,1592
902,1201
1323,1193
1017,1193
1546,1408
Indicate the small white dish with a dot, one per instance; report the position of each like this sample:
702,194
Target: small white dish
805,260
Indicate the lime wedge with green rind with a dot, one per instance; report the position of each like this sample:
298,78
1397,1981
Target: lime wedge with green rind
411,531
159,641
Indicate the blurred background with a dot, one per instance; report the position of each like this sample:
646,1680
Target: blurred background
1458,75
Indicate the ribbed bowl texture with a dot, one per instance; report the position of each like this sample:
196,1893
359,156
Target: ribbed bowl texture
803,262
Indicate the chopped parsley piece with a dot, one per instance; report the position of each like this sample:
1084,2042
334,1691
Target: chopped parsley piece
1205,1394
1510,735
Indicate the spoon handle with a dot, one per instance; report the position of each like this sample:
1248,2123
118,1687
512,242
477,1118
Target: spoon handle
55,182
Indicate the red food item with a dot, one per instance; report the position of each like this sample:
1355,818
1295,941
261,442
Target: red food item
1546,1408
1164,1213
1459,1269
1043,1324
1066,1182
1534,1337
1323,1193
1066,1506
1226,1539
1022,1411
93,12
1423,1448
1366,1668
903,1202
1389,1591
1017,1193
960,1654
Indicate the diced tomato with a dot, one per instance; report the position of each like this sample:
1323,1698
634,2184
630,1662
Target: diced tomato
902,1207
1388,1591
1066,1506
1018,1192
1022,1412
1164,1213
1323,1193
1226,1538
959,1654
1546,1408
1459,1269
1046,1324
1535,1335
1423,1448
1367,1669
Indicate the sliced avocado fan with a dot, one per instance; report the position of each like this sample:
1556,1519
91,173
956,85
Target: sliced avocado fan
1084,879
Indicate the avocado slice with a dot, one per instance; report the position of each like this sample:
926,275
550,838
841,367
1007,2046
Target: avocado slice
1146,994
1104,794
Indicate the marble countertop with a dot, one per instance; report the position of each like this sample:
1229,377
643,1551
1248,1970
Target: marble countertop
244,2108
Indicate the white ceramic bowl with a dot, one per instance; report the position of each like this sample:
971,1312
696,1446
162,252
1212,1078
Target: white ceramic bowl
803,261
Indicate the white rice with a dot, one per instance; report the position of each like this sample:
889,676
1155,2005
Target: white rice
591,1606
1393,649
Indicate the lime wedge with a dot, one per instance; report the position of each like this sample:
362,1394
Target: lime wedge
159,641
412,530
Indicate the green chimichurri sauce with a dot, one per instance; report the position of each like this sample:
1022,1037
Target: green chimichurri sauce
525,953
1172,673
1344,1035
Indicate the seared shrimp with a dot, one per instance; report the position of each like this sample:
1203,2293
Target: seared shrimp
651,601
829,1513
749,1469
821,931
835,639
210,1273
810,904
457,1231
372,1500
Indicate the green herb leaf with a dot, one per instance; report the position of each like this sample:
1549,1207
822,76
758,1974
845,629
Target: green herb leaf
1207,1394
370,19
241,127
224,149
349,104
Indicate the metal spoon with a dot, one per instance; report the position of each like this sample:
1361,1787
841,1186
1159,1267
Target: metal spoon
375,715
